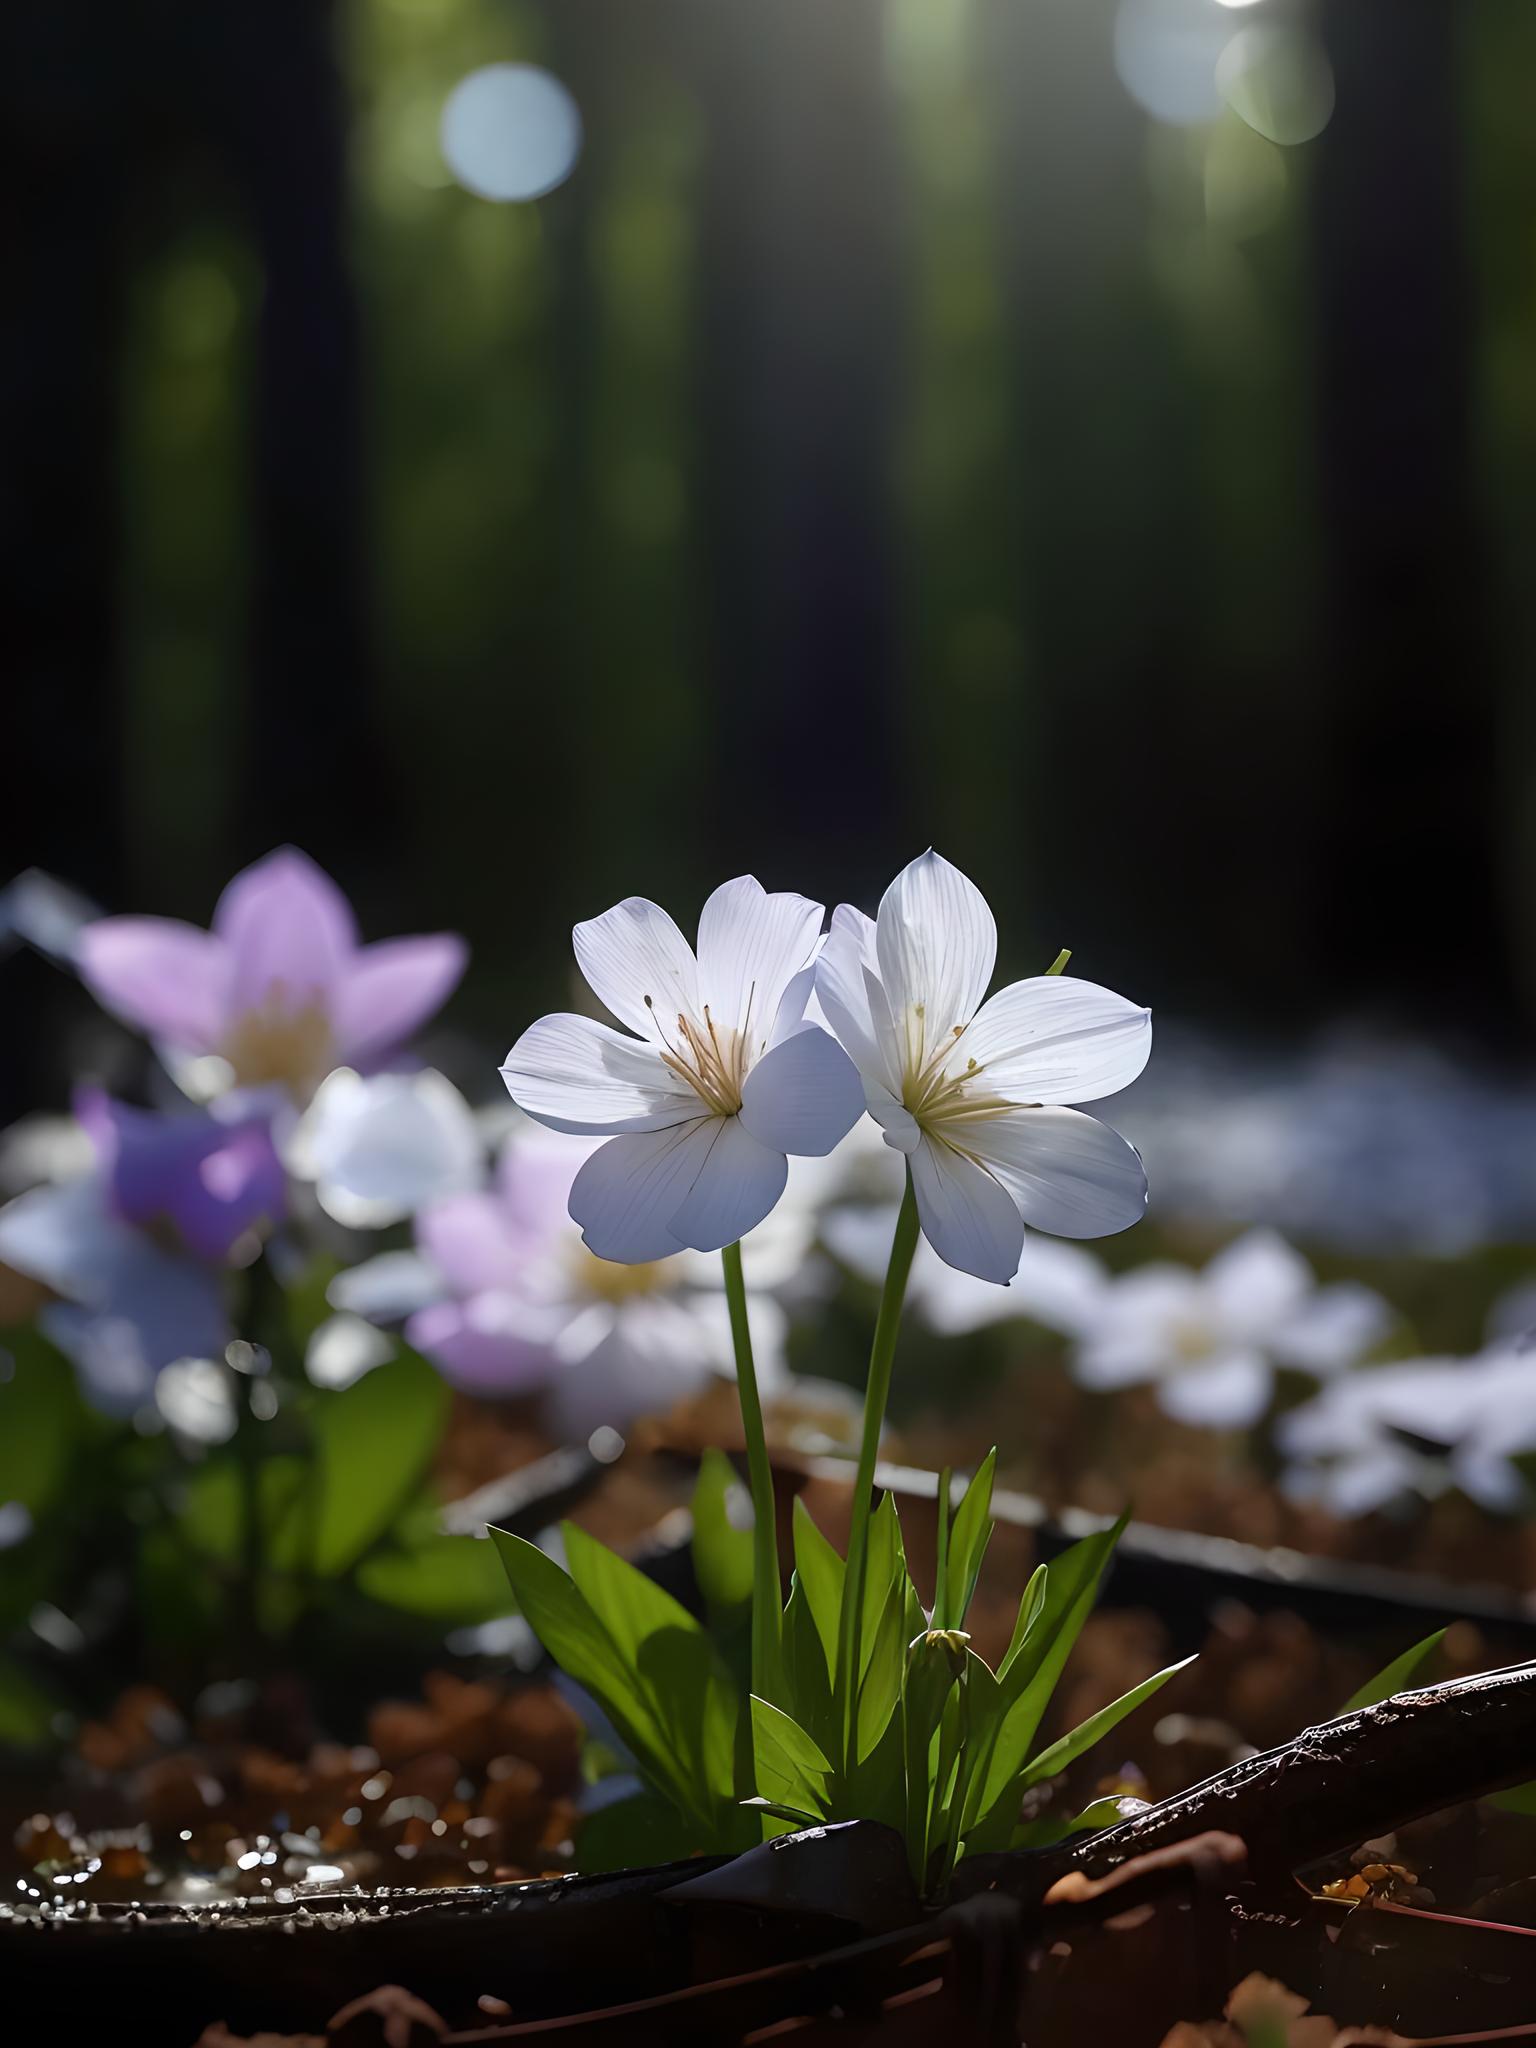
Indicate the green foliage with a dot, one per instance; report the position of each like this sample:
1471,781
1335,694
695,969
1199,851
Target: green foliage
1398,1676
722,1553
371,1444
930,1740
40,1421
650,1667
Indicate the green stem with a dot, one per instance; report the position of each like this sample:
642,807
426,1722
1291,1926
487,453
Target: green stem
876,1392
766,1591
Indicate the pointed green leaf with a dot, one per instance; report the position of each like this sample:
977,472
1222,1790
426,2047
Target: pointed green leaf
564,1622
790,1768
967,1545
1029,1613
807,1681
1398,1676
1072,1745
820,1572
793,1814
941,1553
688,1690
1049,1829
722,1552
1027,1682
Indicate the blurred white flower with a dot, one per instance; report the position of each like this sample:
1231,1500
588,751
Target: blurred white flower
1057,1285
196,1400
1418,1427
343,1349
1211,1339
972,1088
380,1147
505,1298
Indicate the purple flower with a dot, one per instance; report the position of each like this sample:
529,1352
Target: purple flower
135,1248
205,1182
280,987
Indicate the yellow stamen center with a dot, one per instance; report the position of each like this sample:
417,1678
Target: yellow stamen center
280,1042
613,1283
713,1062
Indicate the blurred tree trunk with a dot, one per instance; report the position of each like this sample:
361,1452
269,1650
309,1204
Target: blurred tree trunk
800,343
1407,873
314,771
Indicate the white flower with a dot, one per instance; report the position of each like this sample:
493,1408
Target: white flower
382,1146
725,1078
972,1091
1057,1285
1418,1427
1212,1339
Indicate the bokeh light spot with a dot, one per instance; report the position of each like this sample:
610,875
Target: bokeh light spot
1165,54
510,131
1279,81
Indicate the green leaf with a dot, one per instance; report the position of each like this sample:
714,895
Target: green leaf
1398,1676
563,1620
1045,1832
930,1684
941,1552
40,1419
1072,1745
27,1710
1028,1615
967,1545
891,1608
1027,1680
790,1768
807,1681
212,1516
456,1579
372,1443
820,1572
645,1828
1518,1799
688,1690
722,1553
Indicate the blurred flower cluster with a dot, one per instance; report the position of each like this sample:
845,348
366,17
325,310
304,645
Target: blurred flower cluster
287,1142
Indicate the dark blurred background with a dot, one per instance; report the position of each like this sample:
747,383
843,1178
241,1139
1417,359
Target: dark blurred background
910,421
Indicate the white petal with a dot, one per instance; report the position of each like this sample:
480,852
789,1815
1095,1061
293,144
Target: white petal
843,993
1229,1393
1257,1283
1335,1329
737,1184
968,1217
1053,1039
639,964
804,1095
574,1074
627,1193
751,946
1068,1173
936,943
903,1132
